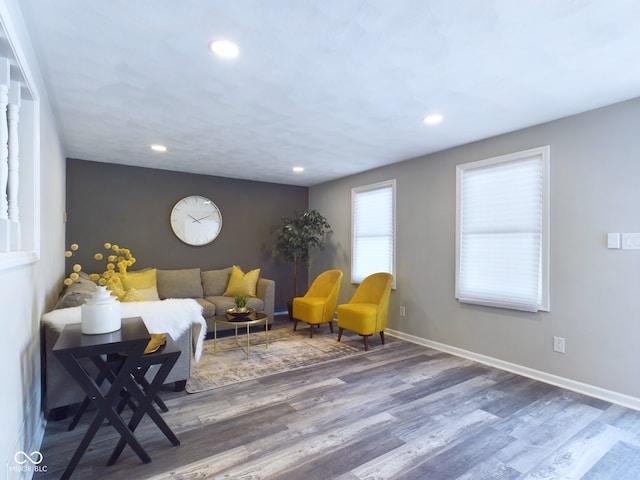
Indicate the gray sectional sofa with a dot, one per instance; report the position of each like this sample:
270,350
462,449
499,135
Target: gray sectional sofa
206,287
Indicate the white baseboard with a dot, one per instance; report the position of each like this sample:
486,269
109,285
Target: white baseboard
584,388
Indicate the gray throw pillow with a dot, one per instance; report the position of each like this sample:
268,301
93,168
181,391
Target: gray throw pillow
214,282
76,293
183,283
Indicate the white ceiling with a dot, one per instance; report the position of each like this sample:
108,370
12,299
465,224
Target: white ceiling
336,86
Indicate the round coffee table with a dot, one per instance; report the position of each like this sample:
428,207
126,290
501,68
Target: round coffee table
254,318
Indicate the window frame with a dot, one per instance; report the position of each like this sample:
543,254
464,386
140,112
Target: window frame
544,153
367,188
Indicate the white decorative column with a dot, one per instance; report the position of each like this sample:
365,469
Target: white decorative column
13,116
5,229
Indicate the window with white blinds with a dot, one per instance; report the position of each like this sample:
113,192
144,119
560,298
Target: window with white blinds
373,220
502,244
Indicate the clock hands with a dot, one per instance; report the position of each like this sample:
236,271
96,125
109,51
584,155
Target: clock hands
197,220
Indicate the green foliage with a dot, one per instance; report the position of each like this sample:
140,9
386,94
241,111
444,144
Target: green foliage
296,237
240,301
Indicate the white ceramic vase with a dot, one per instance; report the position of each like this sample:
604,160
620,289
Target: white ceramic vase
100,313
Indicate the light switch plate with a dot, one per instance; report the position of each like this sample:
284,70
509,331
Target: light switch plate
631,241
613,240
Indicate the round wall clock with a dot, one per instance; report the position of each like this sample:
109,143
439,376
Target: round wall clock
196,220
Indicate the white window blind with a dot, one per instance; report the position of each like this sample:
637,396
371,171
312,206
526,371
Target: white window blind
502,231
373,230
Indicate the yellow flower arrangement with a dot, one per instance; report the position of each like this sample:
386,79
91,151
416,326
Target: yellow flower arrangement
117,257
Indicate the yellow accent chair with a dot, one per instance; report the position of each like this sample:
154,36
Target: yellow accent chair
319,303
367,311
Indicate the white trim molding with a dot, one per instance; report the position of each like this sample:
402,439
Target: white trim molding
562,382
19,233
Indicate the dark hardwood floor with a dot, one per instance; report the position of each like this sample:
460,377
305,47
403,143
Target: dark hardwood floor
401,411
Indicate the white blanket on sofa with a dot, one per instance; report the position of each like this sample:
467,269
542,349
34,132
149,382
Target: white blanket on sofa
172,316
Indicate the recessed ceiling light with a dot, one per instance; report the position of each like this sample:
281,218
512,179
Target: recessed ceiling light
224,48
298,169
158,148
433,119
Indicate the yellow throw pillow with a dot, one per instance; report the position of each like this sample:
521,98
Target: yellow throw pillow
132,295
241,283
144,281
117,292
115,286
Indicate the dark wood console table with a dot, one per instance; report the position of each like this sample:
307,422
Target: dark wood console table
72,346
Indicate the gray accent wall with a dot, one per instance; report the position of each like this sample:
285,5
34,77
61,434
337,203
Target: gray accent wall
595,291
130,206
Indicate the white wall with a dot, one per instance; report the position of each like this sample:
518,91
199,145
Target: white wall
595,299
27,291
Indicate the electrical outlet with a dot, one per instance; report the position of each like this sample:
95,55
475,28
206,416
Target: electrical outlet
558,344
402,311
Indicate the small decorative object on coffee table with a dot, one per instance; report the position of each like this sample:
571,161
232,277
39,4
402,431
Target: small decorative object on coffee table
239,312
241,304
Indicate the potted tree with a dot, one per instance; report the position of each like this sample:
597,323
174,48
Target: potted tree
296,237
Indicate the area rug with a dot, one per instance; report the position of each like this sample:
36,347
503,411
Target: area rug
287,350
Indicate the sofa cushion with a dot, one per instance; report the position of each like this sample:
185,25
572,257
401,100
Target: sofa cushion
241,283
223,303
144,281
214,282
208,308
184,283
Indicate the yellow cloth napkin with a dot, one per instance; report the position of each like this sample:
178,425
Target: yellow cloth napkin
157,340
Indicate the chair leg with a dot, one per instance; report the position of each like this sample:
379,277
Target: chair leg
295,324
382,337
366,342
340,330
310,331
331,325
